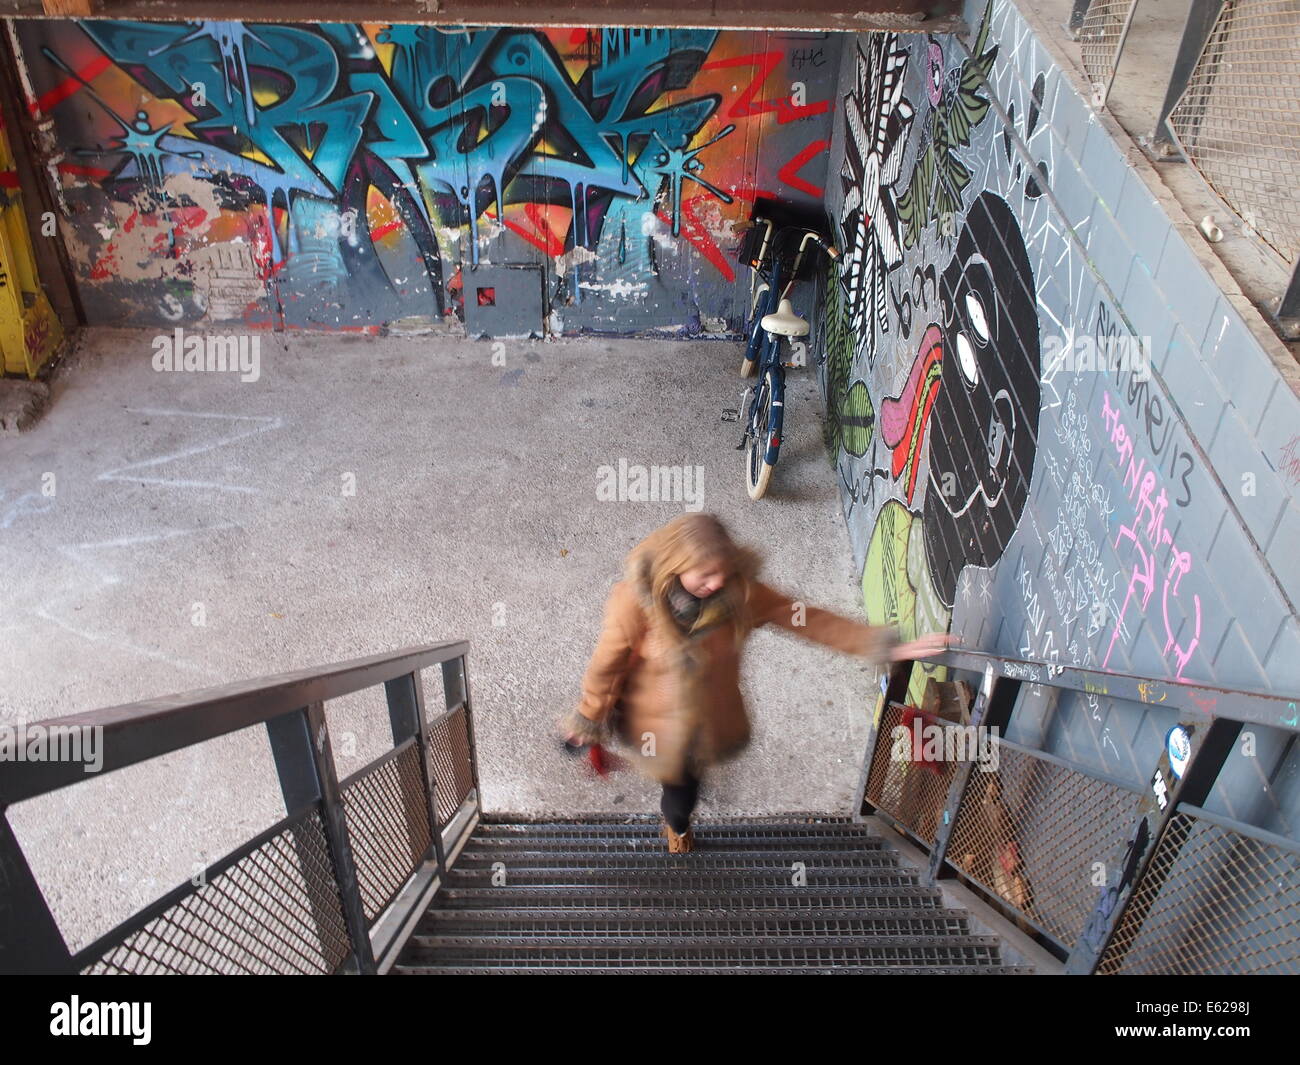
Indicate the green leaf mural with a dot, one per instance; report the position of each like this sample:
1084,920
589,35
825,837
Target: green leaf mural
939,177
850,415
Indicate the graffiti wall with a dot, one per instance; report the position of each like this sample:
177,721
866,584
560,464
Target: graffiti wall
354,176
1053,435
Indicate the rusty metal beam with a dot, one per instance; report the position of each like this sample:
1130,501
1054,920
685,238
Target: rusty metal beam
914,16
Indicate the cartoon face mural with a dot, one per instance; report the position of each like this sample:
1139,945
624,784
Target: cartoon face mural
984,422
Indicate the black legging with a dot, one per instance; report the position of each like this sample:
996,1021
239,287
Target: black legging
678,801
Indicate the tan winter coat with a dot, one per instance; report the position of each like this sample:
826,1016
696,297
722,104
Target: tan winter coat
676,703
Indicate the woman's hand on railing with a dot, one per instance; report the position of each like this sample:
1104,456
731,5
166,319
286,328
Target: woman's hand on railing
925,647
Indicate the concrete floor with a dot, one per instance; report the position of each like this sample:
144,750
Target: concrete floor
475,502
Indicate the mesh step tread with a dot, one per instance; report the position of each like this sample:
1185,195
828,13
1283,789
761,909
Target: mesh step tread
666,941
704,829
705,862
490,968
607,822
647,844
641,955
748,878
646,917
911,896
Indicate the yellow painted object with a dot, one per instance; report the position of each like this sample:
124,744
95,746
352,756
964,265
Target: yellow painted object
30,332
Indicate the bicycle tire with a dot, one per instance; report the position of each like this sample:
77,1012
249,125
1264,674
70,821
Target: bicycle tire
767,422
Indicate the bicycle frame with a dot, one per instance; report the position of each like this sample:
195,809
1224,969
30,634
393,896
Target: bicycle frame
763,348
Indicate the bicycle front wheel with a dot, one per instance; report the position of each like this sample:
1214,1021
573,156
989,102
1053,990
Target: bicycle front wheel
765,436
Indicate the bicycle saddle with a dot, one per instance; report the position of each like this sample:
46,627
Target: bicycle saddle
785,322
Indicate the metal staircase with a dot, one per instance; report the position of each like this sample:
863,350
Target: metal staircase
802,894
398,868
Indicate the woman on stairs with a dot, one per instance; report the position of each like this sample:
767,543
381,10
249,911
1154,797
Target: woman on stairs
665,675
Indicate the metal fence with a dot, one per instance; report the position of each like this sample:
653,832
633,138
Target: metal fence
1231,110
334,886
1103,27
1114,877
1219,897
1238,119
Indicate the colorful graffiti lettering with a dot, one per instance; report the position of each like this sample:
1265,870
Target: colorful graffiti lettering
367,163
1148,527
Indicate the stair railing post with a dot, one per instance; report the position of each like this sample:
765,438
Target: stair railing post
304,760
30,940
1209,747
900,676
994,704
455,684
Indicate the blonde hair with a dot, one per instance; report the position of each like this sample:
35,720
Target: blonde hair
690,542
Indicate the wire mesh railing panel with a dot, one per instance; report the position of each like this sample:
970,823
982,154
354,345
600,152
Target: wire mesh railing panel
388,827
276,910
1032,833
1239,118
913,793
1099,38
1213,900
453,767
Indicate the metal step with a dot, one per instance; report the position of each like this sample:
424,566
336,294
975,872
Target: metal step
431,947
493,969
604,896
643,956
561,861
644,843
758,879
625,896
778,921
653,828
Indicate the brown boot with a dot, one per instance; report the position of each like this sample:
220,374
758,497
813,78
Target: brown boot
679,844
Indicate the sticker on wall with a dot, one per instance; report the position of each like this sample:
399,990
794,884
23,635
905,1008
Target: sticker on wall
1178,742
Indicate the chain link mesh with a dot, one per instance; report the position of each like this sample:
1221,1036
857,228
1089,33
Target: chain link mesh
1031,833
1213,900
452,764
913,793
277,910
1239,118
388,828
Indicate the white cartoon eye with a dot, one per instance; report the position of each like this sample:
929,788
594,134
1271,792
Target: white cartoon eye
978,321
966,359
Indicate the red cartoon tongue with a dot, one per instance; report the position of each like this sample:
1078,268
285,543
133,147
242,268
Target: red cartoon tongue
903,419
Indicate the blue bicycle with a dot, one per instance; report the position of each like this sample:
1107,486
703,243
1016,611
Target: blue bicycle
775,248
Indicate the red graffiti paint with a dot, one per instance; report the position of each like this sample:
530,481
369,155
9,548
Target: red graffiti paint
541,236
70,86
694,231
746,106
790,172
96,173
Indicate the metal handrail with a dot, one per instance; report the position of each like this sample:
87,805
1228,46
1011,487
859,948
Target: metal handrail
1192,697
136,732
1211,716
291,707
